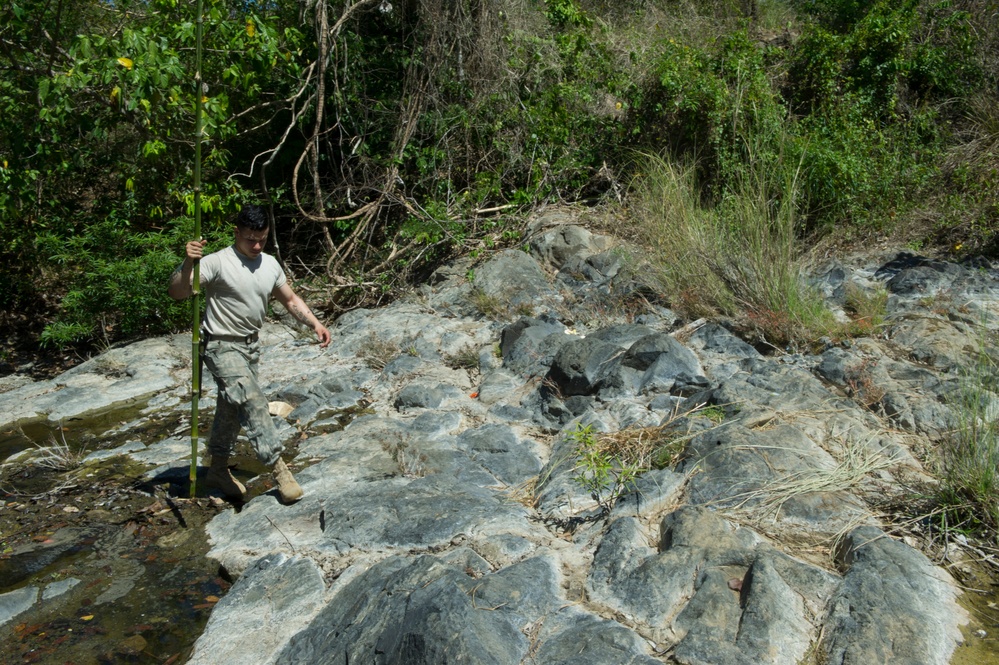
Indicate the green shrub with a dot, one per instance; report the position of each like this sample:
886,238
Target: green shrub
115,281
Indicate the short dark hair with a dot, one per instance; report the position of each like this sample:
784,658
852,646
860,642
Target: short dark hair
252,218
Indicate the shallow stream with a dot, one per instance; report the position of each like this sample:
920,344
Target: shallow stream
112,568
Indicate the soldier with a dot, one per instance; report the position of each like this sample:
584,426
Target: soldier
238,281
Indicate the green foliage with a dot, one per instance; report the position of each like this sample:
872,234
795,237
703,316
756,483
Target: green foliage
95,139
605,476
438,113
119,285
870,81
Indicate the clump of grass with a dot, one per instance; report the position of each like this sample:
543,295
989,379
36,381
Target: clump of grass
465,358
487,305
58,455
970,487
739,256
609,463
859,461
377,353
866,309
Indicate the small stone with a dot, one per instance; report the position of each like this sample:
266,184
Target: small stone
132,646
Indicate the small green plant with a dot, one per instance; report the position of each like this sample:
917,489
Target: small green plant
715,414
604,475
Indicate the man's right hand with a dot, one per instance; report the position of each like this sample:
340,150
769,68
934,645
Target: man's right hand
196,249
180,280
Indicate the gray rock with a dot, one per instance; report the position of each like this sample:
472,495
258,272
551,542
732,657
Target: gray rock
274,600
563,243
512,277
454,528
423,610
498,449
16,602
529,345
417,396
573,637
894,606
581,363
497,386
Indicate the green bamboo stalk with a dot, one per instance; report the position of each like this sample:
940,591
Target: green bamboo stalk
199,130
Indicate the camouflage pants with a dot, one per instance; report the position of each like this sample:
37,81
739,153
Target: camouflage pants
240,401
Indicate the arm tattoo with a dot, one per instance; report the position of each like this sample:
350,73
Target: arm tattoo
302,313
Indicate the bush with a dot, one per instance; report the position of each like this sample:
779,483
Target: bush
115,283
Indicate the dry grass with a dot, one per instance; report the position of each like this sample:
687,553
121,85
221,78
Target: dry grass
377,353
866,308
657,447
859,462
58,455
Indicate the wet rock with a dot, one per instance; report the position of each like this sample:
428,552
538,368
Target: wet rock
57,588
271,602
17,602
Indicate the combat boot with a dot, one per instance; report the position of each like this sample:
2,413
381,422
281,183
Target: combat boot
222,479
288,488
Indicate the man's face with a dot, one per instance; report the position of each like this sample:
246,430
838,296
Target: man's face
250,243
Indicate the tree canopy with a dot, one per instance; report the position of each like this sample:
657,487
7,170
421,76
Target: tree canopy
385,136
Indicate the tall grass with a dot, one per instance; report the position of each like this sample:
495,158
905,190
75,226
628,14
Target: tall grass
739,257
971,454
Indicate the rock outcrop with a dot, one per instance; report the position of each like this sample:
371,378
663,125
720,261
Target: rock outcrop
446,523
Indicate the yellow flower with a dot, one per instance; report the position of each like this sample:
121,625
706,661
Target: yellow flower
250,29
125,62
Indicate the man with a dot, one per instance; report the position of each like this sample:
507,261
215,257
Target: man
238,282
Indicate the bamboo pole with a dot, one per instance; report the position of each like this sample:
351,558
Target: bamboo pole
199,130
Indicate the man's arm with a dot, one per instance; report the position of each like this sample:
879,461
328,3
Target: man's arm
182,277
297,308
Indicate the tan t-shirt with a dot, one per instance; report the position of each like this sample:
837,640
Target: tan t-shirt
237,289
